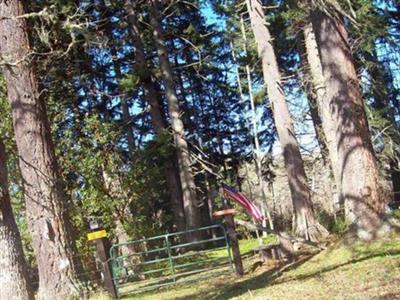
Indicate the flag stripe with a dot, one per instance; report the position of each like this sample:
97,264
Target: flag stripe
244,201
238,198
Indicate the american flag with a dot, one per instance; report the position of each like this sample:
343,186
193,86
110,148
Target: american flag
243,201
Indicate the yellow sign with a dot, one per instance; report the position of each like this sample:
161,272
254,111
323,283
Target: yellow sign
96,235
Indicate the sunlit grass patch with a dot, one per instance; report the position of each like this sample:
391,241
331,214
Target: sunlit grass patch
360,271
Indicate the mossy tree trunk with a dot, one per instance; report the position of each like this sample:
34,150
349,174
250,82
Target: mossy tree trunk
44,193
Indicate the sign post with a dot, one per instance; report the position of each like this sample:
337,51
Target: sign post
228,213
99,236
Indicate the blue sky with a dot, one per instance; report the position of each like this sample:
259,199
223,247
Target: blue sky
297,106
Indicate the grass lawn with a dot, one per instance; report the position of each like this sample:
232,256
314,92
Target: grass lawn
361,271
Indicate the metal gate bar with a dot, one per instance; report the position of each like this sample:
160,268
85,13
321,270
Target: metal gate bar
167,268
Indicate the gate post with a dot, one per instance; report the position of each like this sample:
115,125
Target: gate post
103,246
171,260
99,235
230,225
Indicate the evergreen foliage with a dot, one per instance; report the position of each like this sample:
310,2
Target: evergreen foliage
87,71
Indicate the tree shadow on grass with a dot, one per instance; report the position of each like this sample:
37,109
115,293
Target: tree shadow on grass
235,289
272,277
334,267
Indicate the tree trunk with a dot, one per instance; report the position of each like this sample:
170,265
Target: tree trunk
150,91
256,151
395,176
121,213
360,183
13,268
312,93
193,125
317,123
43,190
257,156
383,94
328,122
305,222
190,203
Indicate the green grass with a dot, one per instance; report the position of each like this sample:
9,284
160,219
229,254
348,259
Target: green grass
192,266
361,271
246,247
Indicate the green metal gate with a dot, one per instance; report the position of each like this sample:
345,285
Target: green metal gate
165,260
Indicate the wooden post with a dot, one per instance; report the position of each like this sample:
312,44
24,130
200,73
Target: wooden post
230,225
103,254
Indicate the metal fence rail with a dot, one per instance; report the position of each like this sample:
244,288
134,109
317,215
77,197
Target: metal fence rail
167,259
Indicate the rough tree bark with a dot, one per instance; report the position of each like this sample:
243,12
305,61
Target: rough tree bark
150,91
313,92
305,222
13,268
360,183
328,122
121,213
190,203
193,119
43,190
257,151
383,95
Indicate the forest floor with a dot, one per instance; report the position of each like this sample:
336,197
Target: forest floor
360,271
